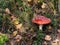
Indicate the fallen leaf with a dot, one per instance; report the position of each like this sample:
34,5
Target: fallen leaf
18,26
15,33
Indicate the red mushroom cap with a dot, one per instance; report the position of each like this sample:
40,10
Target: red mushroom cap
41,20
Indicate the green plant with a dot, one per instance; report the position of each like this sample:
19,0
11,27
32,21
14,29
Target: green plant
3,38
39,38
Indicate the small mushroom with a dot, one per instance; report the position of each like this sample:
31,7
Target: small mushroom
41,20
47,37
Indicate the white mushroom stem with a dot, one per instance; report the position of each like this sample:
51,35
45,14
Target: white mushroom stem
40,27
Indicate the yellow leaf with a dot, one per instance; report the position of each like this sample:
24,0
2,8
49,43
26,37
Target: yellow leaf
14,33
15,22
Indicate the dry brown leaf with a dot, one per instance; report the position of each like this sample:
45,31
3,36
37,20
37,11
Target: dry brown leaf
55,42
49,27
18,38
44,5
7,10
29,0
22,29
18,26
13,17
48,37
58,30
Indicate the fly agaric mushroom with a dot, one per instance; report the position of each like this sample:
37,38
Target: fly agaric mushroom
41,20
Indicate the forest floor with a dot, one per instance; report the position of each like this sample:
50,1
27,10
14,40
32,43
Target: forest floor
57,40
